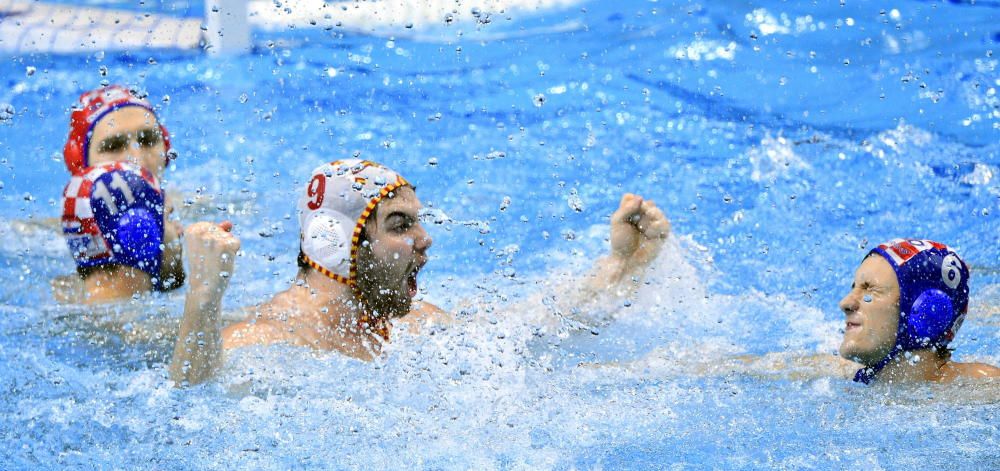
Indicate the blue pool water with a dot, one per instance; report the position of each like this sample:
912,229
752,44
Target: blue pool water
783,140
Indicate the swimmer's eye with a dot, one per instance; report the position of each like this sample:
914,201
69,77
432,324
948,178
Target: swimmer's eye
113,144
404,226
148,137
144,138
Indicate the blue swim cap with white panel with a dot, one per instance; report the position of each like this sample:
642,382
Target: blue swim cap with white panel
333,209
933,296
113,214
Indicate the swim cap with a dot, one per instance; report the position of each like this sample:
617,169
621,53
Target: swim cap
933,296
113,214
333,210
92,107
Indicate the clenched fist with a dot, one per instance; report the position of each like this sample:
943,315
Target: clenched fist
211,253
638,230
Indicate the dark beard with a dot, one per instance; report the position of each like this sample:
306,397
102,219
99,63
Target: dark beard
373,286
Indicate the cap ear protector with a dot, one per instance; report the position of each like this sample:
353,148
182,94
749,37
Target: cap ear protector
92,107
333,210
928,320
113,214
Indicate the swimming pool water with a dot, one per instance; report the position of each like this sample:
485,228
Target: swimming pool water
783,140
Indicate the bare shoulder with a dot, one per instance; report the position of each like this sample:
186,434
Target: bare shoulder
252,332
68,289
426,309
259,327
424,314
973,370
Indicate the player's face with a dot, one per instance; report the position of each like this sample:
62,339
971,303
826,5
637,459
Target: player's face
129,134
871,310
396,251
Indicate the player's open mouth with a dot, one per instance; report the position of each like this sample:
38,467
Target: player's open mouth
853,326
411,282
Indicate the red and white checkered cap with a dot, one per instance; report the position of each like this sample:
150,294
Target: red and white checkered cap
92,107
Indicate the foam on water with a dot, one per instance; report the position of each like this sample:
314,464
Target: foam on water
782,140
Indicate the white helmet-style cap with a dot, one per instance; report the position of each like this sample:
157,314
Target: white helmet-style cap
333,209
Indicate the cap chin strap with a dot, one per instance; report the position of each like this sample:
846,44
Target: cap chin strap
867,374
366,323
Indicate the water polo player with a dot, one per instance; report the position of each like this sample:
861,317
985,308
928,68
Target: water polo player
907,302
114,211
361,248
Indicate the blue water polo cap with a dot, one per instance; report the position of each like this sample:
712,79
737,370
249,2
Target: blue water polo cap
933,296
113,214
933,291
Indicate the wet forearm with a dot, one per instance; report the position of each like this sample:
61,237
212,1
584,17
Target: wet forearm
610,276
198,351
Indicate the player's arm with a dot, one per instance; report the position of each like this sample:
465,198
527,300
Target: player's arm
638,231
211,255
172,269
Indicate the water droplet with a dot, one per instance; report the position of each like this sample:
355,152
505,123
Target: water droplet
539,100
867,298
432,161
727,199
30,70
6,113
103,70
574,201
505,203
244,98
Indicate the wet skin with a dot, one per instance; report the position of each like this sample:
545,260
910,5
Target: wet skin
871,311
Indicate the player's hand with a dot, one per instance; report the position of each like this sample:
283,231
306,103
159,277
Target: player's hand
172,227
638,231
211,253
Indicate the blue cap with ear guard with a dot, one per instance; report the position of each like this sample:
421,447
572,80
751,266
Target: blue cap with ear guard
113,214
933,296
